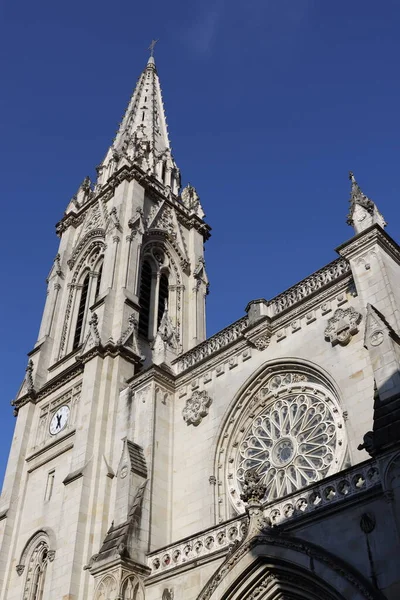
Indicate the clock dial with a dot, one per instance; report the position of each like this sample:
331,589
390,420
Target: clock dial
59,420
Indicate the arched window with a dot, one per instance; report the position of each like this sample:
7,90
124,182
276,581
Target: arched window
107,589
98,282
162,297
81,312
164,172
131,589
36,575
145,299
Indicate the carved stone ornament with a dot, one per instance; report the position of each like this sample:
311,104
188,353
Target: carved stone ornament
196,408
253,489
342,326
51,555
20,569
262,342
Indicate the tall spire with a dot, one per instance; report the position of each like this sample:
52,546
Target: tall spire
142,137
363,211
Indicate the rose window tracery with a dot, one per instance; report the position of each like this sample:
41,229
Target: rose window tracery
291,443
289,428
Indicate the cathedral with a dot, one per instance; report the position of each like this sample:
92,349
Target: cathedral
152,463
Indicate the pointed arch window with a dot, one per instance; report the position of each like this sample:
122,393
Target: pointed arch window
162,297
131,589
145,298
164,172
153,294
107,589
98,282
81,312
37,568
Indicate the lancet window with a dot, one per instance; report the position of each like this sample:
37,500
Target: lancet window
145,298
87,292
162,297
154,292
131,589
98,281
107,589
36,572
81,311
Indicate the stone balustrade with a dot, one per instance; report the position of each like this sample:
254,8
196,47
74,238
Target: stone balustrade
331,273
309,285
211,345
204,544
329,492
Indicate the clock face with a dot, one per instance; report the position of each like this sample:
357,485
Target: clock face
59,420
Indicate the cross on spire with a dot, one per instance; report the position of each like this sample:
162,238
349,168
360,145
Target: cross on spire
151,47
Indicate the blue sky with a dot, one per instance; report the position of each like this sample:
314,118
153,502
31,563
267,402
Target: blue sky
269,104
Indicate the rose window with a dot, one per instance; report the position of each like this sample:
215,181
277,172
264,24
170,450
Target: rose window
292,443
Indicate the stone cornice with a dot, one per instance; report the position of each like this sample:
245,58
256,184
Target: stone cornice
295,302
301,309
49,387
155,373
110,349
364,240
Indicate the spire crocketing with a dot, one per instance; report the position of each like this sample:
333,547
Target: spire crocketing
142,137
363,211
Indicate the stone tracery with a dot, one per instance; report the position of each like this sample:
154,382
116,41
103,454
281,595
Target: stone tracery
286,427
291,443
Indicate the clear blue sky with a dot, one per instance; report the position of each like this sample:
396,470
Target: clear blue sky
269,104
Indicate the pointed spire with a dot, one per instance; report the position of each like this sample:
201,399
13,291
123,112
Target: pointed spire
363,211
142,138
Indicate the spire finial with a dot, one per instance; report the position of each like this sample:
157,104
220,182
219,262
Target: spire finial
367,212
151,47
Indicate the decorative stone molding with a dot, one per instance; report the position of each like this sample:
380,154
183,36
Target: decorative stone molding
317,497
262,342
331,491
253,488
342,326
29,377
196,408
213,540
310,285
213,344
262,432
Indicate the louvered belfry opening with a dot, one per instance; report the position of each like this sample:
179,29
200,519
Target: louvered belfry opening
162,297
98,282
81,312
144,299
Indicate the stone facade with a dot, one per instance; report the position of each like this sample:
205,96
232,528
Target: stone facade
151,463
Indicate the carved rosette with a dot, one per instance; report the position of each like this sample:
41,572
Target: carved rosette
342,326
196,408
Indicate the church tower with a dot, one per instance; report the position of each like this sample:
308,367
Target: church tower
126,294
150,463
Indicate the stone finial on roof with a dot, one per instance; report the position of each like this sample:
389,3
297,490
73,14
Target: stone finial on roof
363,211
